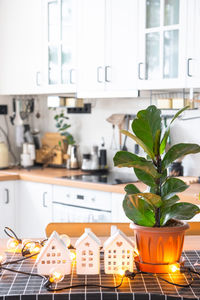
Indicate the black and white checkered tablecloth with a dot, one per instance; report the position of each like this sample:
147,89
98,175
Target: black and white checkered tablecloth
143,287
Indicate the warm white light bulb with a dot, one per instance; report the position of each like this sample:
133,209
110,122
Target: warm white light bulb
35,248
56,275
73,255
121,272
174,268
2,257
66,239
12,244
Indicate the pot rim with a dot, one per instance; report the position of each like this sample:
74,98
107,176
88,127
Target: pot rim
183,227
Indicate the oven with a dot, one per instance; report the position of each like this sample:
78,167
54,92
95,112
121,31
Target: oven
81,205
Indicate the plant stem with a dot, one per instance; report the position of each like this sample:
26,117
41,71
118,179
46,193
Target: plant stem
158,192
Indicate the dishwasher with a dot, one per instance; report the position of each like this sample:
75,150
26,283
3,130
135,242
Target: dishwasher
78,205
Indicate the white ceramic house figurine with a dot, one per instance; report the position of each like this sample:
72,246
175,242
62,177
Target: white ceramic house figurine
88,253
118,252
54,255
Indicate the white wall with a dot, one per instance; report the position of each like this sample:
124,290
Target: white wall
89,128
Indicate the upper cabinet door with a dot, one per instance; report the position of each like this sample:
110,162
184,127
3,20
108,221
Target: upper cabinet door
20,50
91,48
121,48
162,44
193,44
107,48
59,46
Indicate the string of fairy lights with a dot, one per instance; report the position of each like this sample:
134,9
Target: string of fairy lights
30,249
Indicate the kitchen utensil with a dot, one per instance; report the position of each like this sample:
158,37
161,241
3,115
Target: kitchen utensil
118,120
113,144
74,158
95,159
86,163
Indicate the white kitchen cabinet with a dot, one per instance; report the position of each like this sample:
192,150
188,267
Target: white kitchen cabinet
34,208
59,35
162,61
193,44
118,214
107,49
7,206
20,51
80,205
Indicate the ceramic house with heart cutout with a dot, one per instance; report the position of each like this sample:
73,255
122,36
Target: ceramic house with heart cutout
118,252
54,255
88,253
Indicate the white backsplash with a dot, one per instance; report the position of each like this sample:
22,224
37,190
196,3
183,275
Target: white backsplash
89,128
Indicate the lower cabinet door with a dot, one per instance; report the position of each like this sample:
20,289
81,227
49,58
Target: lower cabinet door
7,206
34,209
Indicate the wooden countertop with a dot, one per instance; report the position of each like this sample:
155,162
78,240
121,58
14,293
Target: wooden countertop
51,176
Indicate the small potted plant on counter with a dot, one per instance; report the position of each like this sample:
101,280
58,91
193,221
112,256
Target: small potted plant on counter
156,213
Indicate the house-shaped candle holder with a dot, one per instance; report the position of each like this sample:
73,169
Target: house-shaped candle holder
88,253
118,253
54,255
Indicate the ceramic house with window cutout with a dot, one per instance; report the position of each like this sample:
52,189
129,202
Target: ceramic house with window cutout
88,253
54,255
118,252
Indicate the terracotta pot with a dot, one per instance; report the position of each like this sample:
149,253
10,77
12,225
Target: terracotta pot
160,245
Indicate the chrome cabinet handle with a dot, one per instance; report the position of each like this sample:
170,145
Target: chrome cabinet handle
44,199
107,79
139,71
71,72
98,74
7,196
38,79
188,67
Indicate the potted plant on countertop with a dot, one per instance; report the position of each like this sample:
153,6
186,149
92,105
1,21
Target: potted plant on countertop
62,127
156,213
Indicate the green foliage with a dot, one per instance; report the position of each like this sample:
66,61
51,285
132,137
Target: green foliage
63,126
157,207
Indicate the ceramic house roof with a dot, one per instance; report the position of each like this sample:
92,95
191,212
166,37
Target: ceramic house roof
114,236
59,243
86,234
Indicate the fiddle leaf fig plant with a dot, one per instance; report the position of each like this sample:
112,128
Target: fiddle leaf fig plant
160,205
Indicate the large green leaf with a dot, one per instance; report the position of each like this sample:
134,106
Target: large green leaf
131,189
144,177
146,125
140,212
169,202
152,199
171,187
180,211
139,142
167,132
177,151
147,167
122,157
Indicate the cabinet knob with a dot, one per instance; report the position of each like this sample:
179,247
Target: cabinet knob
108,74
99,74
188,67
38,78
139,71
72,76
93,199
44,199
7,196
